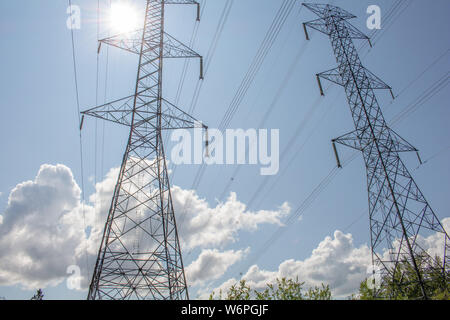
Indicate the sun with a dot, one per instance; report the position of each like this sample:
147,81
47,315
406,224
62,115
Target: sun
123,17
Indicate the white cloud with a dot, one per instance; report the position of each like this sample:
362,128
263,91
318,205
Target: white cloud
211,264
42,233
42,230
336,261
201,225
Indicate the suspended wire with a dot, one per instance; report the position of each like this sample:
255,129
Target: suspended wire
266,45
295,215
386,20
102,151
187,61
270,109
96,103
297,133
429,93
291,161
272,105
301,209
362,215
437,154
274,66
410,84
280,90
75,73
211,51
395,16
186,65
209,57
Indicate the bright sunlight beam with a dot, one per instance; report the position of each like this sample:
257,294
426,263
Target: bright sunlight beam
123,17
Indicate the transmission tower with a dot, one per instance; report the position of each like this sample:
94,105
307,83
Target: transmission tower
139,255
399,214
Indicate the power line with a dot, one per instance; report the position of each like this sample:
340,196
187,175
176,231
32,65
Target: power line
258,60
435,155
80,137
429,93
286,149
267,43
385,20
187,62
209,57
271,108
294,156
266,115
422,73
255,66
395,16
211,51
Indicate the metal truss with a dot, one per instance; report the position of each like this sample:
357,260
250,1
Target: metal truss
140,255
400,216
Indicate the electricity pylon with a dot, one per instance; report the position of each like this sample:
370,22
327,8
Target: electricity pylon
140,255
399,214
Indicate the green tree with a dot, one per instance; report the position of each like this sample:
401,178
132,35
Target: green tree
403,285
283,289
316,293
38,296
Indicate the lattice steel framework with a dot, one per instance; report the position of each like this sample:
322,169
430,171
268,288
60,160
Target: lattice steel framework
399,214
140,255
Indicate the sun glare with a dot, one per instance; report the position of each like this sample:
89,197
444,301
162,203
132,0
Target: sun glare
123,17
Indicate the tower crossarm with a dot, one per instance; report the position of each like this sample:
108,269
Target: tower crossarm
121,112
172,48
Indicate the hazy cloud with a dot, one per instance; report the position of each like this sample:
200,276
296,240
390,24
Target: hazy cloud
202,225
43,229
211,264
336,261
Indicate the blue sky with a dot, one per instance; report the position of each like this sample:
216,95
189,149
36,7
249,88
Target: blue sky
40,122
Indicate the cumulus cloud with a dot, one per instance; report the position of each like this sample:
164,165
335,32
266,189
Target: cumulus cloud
211,264
46,228
336,261
202,225
199,224
41,230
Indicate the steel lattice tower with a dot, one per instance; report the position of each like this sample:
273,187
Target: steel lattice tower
139,255
399,213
